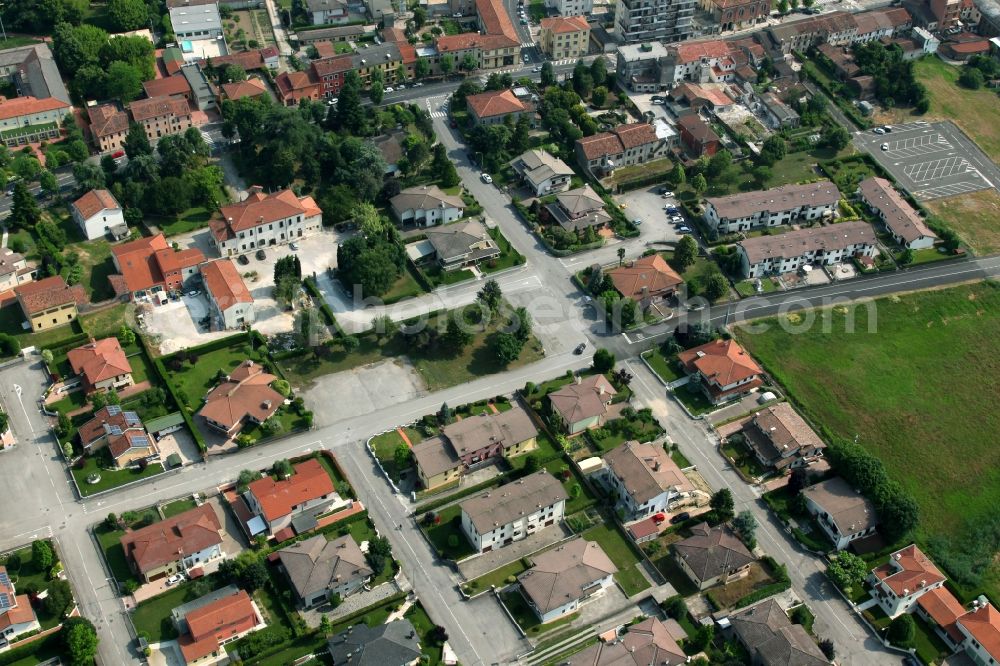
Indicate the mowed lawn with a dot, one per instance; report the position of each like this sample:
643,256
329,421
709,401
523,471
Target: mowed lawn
975,111
920,392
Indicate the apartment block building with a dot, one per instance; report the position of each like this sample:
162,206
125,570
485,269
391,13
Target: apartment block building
654,20
564,37
513,512
828,245
264,219
769,208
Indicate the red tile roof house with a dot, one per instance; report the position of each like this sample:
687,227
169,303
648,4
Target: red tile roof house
646,280
150,268
908,575
697,136
723,370
493,107
98,213
108,126
245,396
294,87
625,145
309,491
16,615
941,610
121,432
161,116
184,541
50,302
101,365
228,294
981,628
264,219
214,622
582,404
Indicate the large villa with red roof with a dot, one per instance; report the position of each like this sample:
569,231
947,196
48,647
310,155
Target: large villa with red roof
723,370
294,501
244,396
150,268
264,219
101,365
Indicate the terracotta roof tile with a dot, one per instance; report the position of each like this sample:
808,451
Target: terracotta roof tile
154,107
495,19
93,202
99,360
107,119
24,106
263,209
722,360
944,609
278,498
48,293
984,625
224,283
584,399
245,393
160,543
644,277
908,570
563,24
169,85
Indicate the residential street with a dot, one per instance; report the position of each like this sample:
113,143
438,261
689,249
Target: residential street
46,505
834,620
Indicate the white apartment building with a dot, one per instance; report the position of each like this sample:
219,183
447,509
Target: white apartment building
828,245
264,219
513,512
769,208
644,479
571,7
907,575
653,20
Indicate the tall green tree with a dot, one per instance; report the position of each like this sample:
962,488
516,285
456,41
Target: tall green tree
136,142
124,82
722,504
599,71
507,348
548,77
685,253
376,87
24,212
490,296
128,15
350,116
80,639
444,167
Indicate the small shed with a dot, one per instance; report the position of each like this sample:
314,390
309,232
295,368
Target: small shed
165,425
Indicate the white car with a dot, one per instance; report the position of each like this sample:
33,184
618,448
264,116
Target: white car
536,69
879,130
667,194
176,578
293,246
884,146
487,178
389,89
418,84
194,293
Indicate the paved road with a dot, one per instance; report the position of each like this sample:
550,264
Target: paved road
834,620
66,184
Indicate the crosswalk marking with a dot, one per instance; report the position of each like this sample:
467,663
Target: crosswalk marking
438,114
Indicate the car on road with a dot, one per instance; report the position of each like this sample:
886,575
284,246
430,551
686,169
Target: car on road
672,209
487,178
194,292
389,89
666,194
527,59
682,229
242,260
680,518
878,130
637,222
887,128
260,255
536,69
294,246
176,578
417,84
884,146
524,21
579,348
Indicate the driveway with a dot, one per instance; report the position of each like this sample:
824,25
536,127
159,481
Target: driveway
174,323
477,566
180,442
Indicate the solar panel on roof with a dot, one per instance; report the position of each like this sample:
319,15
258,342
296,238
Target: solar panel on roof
115,430
132,418
4,578
5,601
114,410
138,440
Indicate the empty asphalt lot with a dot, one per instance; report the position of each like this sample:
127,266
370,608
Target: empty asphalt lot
931,160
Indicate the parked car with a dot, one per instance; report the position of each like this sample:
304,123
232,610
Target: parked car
659,518
389,89
672,210
118,153
579,348
887,128
683,229
878,130
242,260
637,221
417,84
194,292
487,178
176,578
260,255
677,219
884,146
680,517
294,246
332,101
666,194
524,21
536,69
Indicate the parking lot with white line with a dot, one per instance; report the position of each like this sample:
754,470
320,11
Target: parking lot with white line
931,160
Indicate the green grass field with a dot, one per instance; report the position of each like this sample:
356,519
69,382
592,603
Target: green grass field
621,553
665,368
109,478
917,392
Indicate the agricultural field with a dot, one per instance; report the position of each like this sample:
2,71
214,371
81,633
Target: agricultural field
914,392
